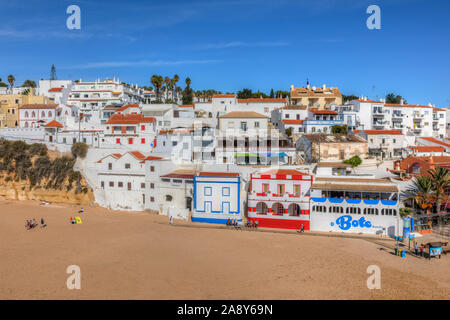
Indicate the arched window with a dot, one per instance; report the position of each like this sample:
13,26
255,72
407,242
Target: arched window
168,198
26,124
261,208
43,114
371,211
294,209
277,209
33,114
336,209
353,210
26,114
49,114
66,113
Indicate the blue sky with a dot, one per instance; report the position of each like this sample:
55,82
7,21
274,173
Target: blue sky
231,44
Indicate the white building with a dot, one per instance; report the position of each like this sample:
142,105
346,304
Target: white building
35,115
355,205
121,178
217,197
387,144
131,131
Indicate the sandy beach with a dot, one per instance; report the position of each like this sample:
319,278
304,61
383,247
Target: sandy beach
125,255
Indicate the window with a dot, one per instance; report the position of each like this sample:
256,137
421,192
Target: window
244,126
26,114
388,212
336,209
152,199
280,189
109,166
152,169
129,185
353,210
372,211
130,140
43,114
143,127
265,187
177,181
226,191
103,184
207,191
168,198
297,190
49,114
393,140
143,185
111,183
152,186
143,140
117,140
120,184
256,124
127,166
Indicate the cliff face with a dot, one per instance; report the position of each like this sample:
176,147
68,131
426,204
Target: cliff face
21,191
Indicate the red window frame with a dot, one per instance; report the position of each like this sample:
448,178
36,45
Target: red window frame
117,140
143,140
130,140
142,127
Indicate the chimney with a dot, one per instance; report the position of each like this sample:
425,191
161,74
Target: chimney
324,86
401,101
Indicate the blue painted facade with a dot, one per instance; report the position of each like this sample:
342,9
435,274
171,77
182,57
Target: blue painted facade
217,199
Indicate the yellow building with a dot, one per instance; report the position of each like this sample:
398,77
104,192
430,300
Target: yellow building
321,97
9,107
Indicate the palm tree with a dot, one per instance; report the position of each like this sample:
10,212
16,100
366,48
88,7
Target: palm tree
440,180
157,82
11,81
167,83
175,80
422,192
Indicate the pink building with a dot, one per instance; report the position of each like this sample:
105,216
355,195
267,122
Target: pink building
279,198
35,115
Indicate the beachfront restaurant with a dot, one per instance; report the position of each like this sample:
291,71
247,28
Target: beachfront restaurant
354,205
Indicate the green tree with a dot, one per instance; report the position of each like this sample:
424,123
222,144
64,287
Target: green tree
349,98
157,82
175,80
353,161
29,83
289,131
11,80
440,180
421,191
394,99
337,129
188,94
272,94
80,150
244,94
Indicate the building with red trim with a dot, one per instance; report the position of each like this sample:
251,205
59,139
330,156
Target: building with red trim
280,199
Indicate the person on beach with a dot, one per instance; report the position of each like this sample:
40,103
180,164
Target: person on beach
422,247
302,228
171,219
43,223
256,224
416,248
228,222
81,210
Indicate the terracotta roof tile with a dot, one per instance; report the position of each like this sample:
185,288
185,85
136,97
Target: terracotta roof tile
129,119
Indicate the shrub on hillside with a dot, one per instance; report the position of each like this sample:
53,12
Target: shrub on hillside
80,150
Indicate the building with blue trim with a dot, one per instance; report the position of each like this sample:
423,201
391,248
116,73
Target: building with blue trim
217,197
